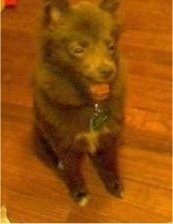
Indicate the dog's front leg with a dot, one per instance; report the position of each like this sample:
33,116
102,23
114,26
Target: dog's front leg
104,161
70,171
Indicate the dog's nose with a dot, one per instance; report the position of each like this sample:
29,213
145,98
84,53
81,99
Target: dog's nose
107,72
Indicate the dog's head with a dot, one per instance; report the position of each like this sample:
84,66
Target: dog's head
81,41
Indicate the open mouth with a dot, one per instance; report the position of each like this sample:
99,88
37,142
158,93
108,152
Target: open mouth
99,91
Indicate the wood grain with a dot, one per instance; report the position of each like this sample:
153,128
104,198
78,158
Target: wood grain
31,191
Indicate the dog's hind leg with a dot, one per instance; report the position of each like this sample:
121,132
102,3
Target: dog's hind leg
69,168
104,161
43,149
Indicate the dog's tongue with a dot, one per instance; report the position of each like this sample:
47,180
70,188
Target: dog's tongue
100,91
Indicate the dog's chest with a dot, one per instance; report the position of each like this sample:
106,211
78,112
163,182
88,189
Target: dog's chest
97,127
92,138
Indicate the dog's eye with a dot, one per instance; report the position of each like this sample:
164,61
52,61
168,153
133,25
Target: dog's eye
111,46
78,48
78,51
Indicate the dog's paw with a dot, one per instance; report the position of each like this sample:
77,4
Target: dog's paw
115,188
81,198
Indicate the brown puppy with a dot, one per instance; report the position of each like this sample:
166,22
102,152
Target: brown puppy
78,91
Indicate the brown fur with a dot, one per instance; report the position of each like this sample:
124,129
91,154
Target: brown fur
62,101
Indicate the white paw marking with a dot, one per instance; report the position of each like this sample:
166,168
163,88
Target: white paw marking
84,201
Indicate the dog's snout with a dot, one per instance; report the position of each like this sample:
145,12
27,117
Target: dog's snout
107,71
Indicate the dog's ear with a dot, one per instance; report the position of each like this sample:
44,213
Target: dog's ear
109,5
53,10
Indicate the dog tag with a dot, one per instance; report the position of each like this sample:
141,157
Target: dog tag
98,120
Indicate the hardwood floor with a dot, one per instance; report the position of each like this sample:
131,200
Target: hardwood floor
30,190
